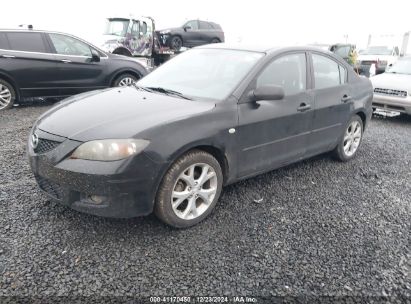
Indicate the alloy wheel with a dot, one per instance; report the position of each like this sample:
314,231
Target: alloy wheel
5,96
126,81
352,138
194,191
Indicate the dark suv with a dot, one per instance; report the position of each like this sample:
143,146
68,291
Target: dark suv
50,64
192,33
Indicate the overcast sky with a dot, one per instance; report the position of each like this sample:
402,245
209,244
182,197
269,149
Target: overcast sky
253,21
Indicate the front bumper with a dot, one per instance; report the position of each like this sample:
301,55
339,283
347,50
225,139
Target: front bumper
124,188
392,103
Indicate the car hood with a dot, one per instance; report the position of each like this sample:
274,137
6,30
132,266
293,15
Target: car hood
116,113
392,81
171,30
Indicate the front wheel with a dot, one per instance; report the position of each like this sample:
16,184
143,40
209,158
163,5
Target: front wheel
125,80
189,190
351,140
176,43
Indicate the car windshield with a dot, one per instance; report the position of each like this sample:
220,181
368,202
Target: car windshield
377,50
203,73
402,66
117,27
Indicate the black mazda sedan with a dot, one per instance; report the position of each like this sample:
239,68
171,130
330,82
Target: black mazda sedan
207,118
50,64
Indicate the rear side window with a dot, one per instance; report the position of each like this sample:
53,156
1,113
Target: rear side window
327,72
4,44
27,42
205,26
288,71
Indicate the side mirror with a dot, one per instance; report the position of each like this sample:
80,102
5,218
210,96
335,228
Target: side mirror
267,92
187,27
95,56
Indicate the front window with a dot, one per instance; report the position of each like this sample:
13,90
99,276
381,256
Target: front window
288,72
377,50
65,45
402,66
192,24
117,27
203,73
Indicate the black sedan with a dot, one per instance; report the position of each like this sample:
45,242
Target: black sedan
48,64
207,118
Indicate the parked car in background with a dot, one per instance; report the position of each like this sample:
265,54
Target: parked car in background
135,37
380,56
50,64
345,51
192,33
392,89
151,146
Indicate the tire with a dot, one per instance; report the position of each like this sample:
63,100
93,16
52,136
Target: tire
215,40
176,43
350,141
124,80
7,95
179,202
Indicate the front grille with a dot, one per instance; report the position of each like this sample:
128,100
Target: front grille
368,62
50,187
390,92
45,145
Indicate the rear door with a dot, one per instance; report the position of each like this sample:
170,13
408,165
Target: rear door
207,33
77,72
192,34
333,102
274,133
29,61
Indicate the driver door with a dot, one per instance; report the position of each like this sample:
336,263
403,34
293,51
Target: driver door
275,133
77,72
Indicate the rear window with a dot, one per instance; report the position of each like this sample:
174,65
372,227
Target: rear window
3,42
27,42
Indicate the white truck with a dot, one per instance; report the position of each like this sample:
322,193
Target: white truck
381,52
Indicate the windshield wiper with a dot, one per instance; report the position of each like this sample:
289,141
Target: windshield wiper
134,84
168,92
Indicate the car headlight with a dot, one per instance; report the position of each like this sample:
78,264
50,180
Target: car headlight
109,149
165,32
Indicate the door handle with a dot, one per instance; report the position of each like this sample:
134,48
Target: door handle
66,61
8,56
303,107
346,98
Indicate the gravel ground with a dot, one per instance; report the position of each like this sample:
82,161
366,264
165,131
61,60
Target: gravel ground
323,228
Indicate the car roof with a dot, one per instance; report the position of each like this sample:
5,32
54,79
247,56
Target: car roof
262,48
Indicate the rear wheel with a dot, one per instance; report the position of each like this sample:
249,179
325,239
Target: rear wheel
189,190
7,95
351,140
215,40
125,80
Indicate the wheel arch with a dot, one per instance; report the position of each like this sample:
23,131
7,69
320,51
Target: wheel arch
363,117
10,80
216,152
122,51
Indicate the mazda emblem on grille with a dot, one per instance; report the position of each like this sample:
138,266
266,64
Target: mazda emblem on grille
34,140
